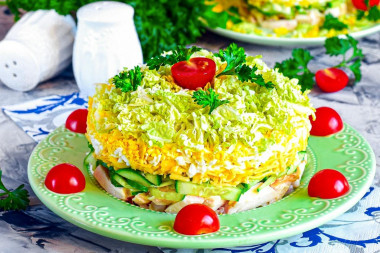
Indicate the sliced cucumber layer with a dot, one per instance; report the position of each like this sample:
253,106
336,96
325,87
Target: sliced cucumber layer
207,190
137,182
135,176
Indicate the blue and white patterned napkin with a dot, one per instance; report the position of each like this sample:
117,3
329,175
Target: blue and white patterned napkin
39,117
357,230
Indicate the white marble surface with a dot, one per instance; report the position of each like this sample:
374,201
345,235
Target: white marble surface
40,230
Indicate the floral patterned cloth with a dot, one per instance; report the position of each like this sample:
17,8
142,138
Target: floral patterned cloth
357,230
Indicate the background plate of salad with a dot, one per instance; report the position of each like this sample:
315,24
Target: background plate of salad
292,23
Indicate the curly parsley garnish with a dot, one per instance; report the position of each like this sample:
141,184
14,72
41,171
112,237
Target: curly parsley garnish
181,53
235,58
296,67
208,98
332,22
247,73
128,80
13,200
338,46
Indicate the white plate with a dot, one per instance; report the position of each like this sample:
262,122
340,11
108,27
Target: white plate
287,42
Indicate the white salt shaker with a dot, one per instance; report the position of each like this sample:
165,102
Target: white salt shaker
105,44
36,48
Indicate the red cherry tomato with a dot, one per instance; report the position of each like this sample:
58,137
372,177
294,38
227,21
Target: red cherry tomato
196,219
327,122
360,4
331,79
65,178
195,73
77,121
328,184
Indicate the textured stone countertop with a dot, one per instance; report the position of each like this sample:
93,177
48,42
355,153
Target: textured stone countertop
40,230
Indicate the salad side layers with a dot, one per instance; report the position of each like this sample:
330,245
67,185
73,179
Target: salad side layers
158,136
297,19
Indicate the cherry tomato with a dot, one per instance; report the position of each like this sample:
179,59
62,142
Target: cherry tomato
331,79
327,122
328,184
65,178
195,73
196,219
77,121
360,4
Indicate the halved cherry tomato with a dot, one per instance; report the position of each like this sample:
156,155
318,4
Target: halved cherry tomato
328,184
195,73
77,121
327,122
65,178
331,79
360,4
196,219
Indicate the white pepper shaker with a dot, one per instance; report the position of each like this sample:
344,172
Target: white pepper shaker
105,44
36,48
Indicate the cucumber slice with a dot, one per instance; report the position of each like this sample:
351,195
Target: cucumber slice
134,175
172,196
167,182
89,161
246,186
206,190
124,183
137,185
301,156
154,179
268,182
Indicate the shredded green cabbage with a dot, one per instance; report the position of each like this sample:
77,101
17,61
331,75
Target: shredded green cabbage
159,113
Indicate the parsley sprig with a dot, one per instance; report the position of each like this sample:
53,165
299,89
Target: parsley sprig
340,46
13,200
208,98
235,58
332,22
296,67
181,53
373,13
128,80
247,73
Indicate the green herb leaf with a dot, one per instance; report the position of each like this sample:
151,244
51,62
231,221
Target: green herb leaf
339,46
234,56
374,14
360,14
336,46
128,80
332,22
208,98
246,73
355,68
181,53
13,200
296,67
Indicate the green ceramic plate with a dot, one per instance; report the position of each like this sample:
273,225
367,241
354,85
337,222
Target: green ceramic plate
97,211
287,42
